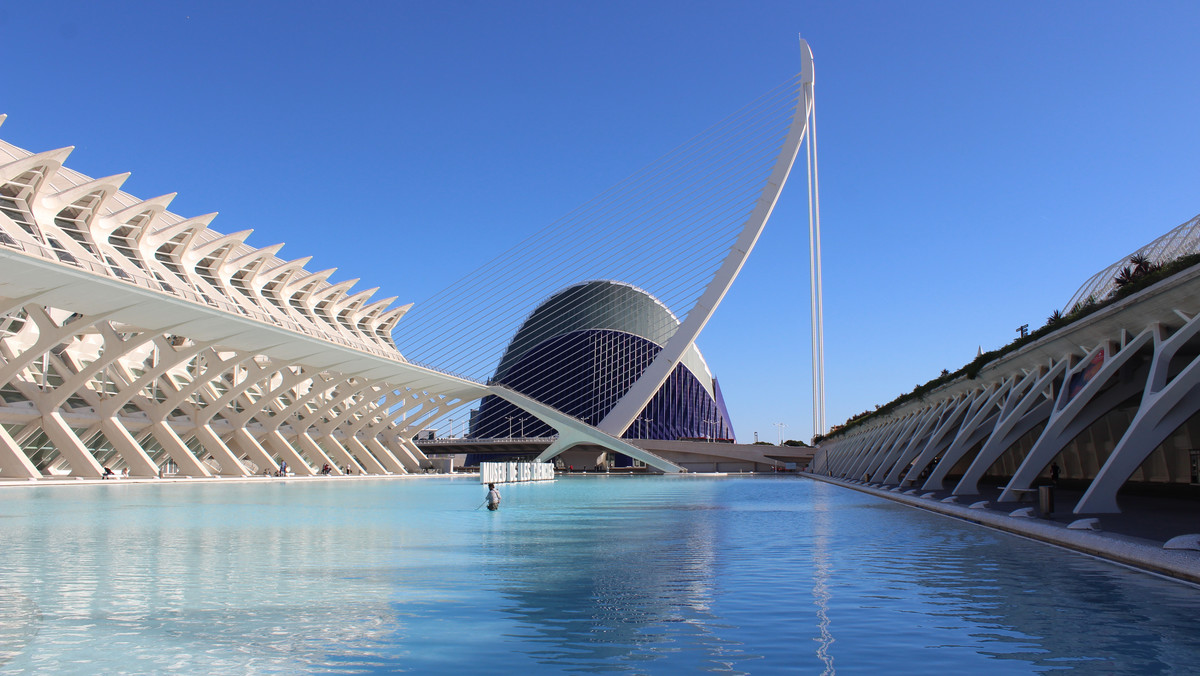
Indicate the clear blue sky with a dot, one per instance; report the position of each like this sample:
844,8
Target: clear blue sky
978,160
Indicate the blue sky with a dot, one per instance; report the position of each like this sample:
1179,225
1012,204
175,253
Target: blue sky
978,160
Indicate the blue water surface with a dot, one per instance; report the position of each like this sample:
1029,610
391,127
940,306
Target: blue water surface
639,575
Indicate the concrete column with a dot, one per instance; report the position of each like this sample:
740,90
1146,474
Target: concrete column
13,461
920,433
973,430
230,464
920,455
283,449
81,461
364,459
1014,422
131,452
385,458
188,463
1167,403
407,462
248,446
1074,414
339,454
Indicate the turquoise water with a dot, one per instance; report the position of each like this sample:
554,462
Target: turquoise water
596,575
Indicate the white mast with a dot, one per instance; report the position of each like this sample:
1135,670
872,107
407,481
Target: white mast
814,250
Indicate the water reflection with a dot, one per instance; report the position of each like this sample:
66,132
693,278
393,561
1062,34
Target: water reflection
587,575
821,574
614,582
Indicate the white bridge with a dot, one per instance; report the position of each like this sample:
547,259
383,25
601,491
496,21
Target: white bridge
132,338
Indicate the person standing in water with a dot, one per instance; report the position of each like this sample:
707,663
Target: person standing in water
493,498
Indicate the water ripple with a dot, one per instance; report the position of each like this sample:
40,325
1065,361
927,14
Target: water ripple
585,575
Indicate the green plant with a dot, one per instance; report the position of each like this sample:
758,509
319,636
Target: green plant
1142,273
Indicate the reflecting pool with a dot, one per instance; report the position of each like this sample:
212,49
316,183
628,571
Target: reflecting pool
654,575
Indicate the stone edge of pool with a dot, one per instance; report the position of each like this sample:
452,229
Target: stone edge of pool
73,481
1141,554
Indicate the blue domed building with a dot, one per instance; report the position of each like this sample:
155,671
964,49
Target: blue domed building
582,349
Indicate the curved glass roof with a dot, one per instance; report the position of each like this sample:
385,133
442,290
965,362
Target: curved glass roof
1181,241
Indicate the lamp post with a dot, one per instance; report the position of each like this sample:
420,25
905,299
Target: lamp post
510,419
780,426
712,430
644,426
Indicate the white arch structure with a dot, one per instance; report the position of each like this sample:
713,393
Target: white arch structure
623,414
1112,397
630,405
133,338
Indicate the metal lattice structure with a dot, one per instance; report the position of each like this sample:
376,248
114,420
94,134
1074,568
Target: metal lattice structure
1180,241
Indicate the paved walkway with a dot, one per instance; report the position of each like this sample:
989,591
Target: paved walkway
1135,537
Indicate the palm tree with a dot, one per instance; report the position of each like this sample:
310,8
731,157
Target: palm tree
1125,276
1142,265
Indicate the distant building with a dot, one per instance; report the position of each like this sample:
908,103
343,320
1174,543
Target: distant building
582,349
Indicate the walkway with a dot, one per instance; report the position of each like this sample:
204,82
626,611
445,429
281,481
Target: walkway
1134,537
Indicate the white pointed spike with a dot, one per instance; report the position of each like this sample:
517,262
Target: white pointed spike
196,225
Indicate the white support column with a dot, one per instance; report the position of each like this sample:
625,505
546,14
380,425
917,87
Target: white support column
407,462
904,428
943,436
13,461
365,460
140,464
415,453
1074,414
974,429
203,415
1024,413
848,450
189,464
341,457
108,410
911,424
872,439
318,388
275,441
1167,403
72,449
840,453
920,434
389,462
230,464
351,427
270,436
353,417
247,445
891,430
